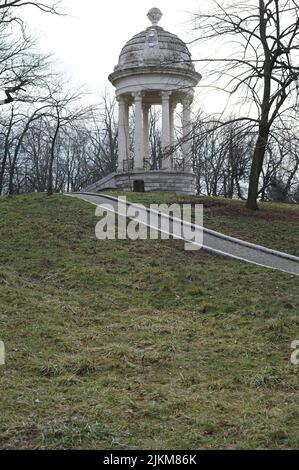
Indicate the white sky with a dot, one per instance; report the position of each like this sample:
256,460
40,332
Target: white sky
87,43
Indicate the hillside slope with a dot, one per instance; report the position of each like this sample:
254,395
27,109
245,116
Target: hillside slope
275,225
114,345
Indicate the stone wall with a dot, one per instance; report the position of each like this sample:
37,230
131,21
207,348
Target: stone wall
154,181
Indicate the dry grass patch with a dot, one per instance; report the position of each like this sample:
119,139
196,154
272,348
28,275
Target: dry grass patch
122,345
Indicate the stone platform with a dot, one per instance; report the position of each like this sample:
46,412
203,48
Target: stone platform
168,181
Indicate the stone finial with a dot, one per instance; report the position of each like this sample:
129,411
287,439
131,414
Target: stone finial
154,15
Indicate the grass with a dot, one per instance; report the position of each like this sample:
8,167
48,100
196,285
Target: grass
274,225
138,345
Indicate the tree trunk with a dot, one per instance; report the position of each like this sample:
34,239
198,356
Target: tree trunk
11,177
14,162
2,170
51,162
50,177
264,127
256,169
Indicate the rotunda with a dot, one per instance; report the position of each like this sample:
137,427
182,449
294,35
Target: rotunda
154,68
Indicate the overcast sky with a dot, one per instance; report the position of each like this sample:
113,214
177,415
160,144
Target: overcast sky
87,43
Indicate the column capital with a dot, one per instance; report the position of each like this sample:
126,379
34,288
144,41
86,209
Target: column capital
166,95
121,99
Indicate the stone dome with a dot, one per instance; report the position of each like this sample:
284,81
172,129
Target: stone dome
155,47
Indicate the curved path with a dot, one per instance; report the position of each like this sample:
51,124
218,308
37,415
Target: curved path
218,243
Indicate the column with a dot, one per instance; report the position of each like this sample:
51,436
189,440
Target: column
127,129
166,164
122,133
187,133
146,146
171,123
138,134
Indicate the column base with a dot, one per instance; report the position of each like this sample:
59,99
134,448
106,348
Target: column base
164,181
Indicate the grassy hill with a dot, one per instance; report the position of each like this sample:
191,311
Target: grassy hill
127,345
274,225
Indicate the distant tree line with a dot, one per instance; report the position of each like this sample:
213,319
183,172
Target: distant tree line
260,72
222,157
56,145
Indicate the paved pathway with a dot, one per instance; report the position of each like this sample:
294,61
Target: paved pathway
223,245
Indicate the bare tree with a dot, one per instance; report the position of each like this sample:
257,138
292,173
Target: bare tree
15,44
32,169
103,134
25,121
155,140
280,171
8,5
260,68
19,67
64,111
8,92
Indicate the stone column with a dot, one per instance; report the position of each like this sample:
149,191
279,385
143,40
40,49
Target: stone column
171,123
187,131
122,132
146,146
127,129
172,136
166,164
138,135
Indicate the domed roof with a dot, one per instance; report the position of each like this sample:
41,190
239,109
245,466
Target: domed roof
155,47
